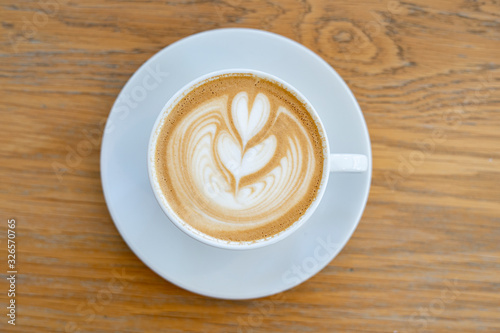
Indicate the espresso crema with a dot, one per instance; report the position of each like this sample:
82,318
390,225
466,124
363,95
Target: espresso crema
239,157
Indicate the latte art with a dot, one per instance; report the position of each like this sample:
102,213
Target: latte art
239,158
233,153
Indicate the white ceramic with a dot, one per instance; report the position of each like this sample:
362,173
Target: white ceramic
333,162
171,253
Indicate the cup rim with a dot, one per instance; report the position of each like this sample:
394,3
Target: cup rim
186,227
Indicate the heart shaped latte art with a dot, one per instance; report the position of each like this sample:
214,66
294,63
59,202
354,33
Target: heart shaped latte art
235,156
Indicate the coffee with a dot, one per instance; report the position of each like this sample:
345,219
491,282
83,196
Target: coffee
239,157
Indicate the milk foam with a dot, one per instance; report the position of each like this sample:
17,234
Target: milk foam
236,164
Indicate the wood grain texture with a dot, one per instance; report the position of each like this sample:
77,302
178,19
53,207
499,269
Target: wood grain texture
426,255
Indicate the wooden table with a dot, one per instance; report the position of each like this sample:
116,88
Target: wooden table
426,255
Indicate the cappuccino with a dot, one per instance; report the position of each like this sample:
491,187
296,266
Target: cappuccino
239,157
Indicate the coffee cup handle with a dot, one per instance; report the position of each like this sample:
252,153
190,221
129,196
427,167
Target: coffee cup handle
348,163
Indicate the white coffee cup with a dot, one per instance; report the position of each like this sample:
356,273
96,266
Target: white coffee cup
333,163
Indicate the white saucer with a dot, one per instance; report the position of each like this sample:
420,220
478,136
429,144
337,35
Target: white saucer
167,250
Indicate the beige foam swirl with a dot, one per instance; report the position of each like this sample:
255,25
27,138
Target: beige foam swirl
234,167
